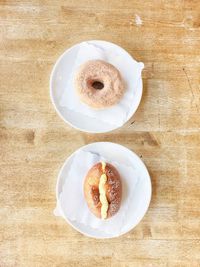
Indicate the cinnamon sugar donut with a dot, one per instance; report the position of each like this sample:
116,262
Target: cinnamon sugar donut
99,84
103,190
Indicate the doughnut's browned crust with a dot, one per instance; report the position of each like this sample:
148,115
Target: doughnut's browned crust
113,189
101,71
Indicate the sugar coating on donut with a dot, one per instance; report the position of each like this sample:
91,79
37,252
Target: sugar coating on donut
115,187
99,72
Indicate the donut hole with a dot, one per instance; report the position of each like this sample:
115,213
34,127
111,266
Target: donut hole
98,85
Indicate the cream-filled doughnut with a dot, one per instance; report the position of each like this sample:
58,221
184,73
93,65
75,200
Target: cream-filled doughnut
103,190
99,84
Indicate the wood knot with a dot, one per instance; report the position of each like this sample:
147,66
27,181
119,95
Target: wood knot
30,136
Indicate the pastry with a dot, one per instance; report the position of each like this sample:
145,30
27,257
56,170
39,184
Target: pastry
99,84
103,190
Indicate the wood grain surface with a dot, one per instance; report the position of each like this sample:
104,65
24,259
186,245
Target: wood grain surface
34,141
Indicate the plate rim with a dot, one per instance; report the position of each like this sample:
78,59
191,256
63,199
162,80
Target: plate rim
54,102
59,178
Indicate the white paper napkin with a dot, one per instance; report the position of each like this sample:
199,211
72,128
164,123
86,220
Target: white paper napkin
72,201
116,115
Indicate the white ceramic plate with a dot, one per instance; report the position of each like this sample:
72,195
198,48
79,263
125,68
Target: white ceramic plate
142,193
58,81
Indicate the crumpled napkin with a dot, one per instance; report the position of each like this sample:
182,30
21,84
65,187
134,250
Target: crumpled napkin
73,203
116,115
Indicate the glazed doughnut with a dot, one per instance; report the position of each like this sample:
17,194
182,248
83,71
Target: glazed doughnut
103,190
99,84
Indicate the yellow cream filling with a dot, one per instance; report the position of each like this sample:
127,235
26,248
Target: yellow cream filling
103,166
102,192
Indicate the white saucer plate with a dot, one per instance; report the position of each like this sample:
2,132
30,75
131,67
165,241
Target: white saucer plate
59,78
142,193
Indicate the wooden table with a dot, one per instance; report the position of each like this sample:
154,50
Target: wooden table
34,141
